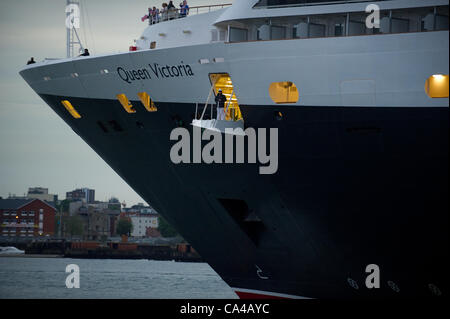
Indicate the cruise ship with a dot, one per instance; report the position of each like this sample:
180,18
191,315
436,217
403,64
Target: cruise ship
358,92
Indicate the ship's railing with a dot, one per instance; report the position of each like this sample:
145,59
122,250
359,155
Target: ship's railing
260,5
176,13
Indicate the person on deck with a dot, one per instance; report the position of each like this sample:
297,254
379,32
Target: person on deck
164,12
155,15
184,9
220,101
31,61
150,16
85,53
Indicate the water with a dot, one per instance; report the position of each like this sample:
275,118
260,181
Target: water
22,277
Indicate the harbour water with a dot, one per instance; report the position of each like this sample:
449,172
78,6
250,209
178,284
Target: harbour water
23,277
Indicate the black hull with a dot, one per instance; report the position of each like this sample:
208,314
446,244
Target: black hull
355,186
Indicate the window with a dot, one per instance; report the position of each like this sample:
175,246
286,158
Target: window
214,35
147,102
222,35
436,86
316,30
339,29
71,109
126,103
152,44
283,92
102,126
238,34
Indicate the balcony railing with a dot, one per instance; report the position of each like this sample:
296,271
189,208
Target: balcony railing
174,13
301,3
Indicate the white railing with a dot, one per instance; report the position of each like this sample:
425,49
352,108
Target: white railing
174,13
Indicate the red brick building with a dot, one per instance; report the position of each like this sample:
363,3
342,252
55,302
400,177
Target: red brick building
26,218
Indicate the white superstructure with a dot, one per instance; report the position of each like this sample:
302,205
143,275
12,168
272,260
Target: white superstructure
347,70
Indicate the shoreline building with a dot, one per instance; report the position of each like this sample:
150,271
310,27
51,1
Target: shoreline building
26,218
145,220
42,194
85,194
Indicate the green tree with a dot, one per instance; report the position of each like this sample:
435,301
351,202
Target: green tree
73,225
124,226
166,229
64,204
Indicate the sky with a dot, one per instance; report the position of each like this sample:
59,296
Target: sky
37,149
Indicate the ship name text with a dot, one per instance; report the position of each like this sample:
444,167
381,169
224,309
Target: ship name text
156,70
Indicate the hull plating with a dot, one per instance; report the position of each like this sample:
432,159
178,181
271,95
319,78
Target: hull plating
355,186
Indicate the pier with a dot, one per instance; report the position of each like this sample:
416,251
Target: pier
109,250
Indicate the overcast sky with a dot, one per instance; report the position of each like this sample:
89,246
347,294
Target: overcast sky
36,147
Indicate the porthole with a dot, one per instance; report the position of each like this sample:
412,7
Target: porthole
436,86
283,92
125,103
69,107
278,115
147,102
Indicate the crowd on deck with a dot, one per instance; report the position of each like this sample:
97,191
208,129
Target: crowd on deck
167,12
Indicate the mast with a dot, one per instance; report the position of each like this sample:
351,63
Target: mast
72,23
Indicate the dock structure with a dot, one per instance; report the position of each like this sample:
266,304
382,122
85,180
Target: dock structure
110,250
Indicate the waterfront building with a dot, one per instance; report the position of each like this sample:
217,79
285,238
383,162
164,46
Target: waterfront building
42,194
86,194
143,223
26,218
96,224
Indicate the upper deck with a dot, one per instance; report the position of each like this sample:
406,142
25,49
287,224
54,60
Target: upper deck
265,20
175,13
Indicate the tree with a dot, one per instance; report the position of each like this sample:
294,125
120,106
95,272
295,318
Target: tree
124,226
74,225
166,229
64,204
